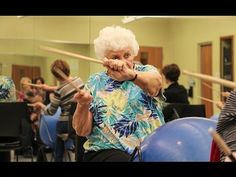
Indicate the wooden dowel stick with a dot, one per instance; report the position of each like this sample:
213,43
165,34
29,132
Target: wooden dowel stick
33,85
50,49
209,86
66,78
224,82
206,99
221,144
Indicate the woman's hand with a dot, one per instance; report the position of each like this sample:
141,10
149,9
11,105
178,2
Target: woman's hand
119,70
225,94
220,105
227,159
37,105
83,98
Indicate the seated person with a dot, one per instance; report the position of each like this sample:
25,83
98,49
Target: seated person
119,107
174,92
45,91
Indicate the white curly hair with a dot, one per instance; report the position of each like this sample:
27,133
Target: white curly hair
115,38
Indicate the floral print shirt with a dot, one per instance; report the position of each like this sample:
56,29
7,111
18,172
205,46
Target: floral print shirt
123,114
7,89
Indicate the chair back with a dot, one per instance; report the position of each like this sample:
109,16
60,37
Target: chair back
174,111
11,115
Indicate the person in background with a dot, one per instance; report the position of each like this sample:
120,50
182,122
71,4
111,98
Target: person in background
120,106
63,96
45,91
174,92
25,90
7,94
44,94
28,135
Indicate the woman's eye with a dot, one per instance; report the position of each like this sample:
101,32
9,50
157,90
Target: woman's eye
114,57
126,55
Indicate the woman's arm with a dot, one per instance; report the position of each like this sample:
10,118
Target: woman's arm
82,118
150,82
120,70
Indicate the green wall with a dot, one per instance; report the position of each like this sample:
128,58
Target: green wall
186,36
180,39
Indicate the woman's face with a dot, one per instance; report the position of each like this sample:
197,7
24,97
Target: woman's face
124,54
39,82
25,86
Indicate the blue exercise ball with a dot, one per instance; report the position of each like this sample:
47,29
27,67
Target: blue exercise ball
47,130
185,139
215,117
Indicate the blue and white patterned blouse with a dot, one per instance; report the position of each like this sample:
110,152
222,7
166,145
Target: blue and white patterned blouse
7,89
123,114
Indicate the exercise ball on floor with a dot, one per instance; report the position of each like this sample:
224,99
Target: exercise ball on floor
182,140
47,130
215,117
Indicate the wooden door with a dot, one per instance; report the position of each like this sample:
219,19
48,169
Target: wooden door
206,68
19,71
150,55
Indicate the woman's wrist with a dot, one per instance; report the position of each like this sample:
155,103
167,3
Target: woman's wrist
134,77
83,104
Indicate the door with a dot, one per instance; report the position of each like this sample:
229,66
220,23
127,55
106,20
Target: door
206,68
150,55
19,71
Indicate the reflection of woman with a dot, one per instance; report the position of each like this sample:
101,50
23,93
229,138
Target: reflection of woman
7,89
174,93
63,96
121,107
45,91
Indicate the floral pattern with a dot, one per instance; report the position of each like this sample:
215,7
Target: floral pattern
123,113
7,89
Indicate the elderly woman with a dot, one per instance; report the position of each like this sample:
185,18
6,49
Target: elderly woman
121,106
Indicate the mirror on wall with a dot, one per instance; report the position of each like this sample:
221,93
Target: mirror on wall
20,39
226,59
161,40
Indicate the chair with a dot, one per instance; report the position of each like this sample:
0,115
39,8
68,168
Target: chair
11,118
174,111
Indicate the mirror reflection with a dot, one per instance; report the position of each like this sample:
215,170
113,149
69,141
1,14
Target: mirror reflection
162,40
